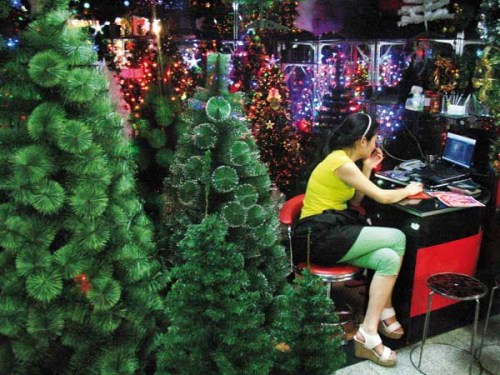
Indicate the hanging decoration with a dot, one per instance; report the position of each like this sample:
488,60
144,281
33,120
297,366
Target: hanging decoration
274,98
418,11
82,282
445,75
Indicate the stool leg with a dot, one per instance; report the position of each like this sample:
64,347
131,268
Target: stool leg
478,355
426,326
289,234
476,318
328,289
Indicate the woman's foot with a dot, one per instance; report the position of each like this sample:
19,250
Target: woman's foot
370,347
389,325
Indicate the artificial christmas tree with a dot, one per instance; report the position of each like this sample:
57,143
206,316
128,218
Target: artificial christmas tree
216,325
79,288
335,107
217,169
155,136
308,325
231,264
271,124
247,62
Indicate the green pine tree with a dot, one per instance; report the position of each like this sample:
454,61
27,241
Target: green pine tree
306,327
217,169
217,173
80,286
216,325
155,124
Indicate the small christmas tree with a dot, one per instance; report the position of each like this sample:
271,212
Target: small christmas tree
79,288
217,169
217,172
155,122
248,60
216,325
217,179
271,125
307,330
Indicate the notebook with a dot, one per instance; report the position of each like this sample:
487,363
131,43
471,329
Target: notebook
455,162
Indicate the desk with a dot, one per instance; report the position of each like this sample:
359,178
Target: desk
439,239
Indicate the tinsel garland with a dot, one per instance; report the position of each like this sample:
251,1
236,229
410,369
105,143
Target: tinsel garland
445,75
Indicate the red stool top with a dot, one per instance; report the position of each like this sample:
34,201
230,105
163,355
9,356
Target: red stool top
337,270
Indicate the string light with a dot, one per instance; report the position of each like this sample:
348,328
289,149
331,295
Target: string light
16,4
12,43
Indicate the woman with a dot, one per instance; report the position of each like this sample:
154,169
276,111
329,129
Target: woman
328,232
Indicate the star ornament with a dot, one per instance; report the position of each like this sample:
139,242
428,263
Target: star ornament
192,61
97,27
272,61
269,124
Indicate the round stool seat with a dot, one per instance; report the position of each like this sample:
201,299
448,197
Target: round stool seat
457,286
340,272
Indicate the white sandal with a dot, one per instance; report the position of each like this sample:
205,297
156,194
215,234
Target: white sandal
366,349
389,330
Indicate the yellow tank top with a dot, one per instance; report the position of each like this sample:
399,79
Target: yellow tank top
324,189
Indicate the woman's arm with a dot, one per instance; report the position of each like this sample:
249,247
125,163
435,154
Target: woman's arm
359,195
353,176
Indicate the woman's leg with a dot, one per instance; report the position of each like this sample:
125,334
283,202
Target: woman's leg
367,252
380,249
374,238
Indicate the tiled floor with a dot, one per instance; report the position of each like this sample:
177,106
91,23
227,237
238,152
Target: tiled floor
445,354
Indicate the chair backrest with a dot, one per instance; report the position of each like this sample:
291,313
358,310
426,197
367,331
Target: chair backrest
288,213
291,209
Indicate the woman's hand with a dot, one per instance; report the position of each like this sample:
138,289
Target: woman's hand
414,188
374,159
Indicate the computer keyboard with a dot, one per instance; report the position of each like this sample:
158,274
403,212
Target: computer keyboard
438,171
440,174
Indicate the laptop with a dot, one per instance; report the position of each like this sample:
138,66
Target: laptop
455,162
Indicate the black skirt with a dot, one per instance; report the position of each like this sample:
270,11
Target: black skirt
328,236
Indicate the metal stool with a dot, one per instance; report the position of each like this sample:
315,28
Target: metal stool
458,287
493,290
333,274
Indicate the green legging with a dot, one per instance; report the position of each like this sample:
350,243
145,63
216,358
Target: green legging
379,249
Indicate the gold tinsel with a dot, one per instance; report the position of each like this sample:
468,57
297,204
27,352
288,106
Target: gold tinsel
488,80
445,75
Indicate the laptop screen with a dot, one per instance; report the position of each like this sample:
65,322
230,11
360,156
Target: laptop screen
459,150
